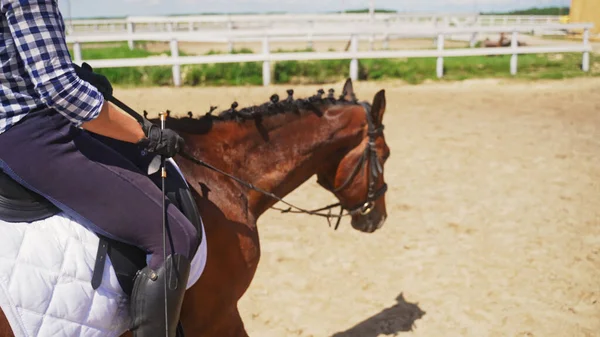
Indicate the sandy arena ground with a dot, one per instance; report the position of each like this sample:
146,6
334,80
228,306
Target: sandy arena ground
194,48
493,227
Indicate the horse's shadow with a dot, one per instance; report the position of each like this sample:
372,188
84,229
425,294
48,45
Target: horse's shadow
400,317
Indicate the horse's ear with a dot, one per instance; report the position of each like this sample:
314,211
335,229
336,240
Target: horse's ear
378,107
348,91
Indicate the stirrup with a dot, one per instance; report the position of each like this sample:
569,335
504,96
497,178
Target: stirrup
147,303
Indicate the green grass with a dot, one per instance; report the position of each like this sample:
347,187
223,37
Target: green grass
536,11
112,50
418,70
413,70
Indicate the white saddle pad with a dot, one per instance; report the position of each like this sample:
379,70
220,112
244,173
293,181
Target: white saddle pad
45,281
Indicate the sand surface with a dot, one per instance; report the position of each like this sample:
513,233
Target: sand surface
194,48
493,227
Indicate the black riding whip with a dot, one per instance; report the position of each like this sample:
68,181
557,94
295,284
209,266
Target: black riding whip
163,176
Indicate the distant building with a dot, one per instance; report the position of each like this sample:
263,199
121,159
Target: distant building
586,11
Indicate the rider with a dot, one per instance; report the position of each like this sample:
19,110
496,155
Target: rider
57,137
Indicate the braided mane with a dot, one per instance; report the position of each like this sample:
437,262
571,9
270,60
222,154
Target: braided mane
273,107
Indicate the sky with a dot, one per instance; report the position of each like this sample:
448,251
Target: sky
95,8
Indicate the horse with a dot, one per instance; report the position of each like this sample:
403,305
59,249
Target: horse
502,42
255,156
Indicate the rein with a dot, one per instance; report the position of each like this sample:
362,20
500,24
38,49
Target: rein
269,194
374,170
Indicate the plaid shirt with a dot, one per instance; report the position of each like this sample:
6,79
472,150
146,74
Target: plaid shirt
35,65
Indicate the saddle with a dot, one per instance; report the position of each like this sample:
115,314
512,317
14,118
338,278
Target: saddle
19,204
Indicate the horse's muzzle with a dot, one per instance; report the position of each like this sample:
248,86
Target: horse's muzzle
369,222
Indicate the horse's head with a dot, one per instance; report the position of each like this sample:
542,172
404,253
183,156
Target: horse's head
357,178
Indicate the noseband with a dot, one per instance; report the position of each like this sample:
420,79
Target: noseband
374,170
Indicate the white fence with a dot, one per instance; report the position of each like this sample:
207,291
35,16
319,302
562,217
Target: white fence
353,54
505,20
274,21
241,22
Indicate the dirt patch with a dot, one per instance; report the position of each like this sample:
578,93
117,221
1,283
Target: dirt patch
197,48
493,227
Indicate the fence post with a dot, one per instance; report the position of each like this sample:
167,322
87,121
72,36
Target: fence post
473,41
176,66
435,25
354,61
446,21
310,44
230,41
266,63
513,59
77,52
386,36
585,63
440,60
130,29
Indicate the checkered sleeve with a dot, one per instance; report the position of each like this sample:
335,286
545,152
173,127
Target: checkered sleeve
38,31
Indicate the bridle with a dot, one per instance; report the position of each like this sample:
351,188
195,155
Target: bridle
374,170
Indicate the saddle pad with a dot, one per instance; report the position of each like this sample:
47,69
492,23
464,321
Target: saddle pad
45,281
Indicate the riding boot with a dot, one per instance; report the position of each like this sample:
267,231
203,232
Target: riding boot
147,307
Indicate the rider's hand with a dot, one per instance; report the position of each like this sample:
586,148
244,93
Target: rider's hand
163,142
86,73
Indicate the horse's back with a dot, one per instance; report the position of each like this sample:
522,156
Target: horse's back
5,330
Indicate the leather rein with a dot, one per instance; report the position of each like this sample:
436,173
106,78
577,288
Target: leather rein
374,170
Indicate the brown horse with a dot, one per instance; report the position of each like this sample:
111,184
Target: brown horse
277,147
503,41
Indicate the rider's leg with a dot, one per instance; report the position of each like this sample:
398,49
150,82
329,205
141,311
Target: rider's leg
107,193
93,183
144,312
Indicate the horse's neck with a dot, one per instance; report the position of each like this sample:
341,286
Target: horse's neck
277,155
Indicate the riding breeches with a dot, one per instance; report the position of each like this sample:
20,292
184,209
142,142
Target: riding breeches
97,181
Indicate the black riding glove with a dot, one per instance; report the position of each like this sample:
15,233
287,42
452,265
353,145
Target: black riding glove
86,73
165,142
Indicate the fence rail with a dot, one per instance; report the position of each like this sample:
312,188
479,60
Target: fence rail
228,22
258,34
266,36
